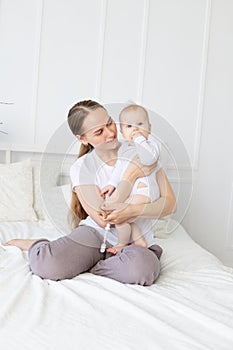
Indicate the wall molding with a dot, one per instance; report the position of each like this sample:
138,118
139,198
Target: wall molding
202,89
144,40
102,31
229,236
38,40
0,10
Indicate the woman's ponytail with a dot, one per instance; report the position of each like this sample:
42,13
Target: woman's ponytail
76,117
76,212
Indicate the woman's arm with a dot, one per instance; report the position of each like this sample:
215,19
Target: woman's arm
90,195
91,201
163,206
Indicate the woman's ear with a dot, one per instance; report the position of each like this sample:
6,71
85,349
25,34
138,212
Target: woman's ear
82,139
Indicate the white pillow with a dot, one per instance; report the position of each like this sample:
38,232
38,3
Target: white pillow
56,205
37,202
44,180
16,192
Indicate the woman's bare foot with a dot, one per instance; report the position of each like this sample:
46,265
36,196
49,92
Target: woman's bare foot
23,244
116,249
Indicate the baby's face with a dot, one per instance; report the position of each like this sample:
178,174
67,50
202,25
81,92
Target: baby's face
134,122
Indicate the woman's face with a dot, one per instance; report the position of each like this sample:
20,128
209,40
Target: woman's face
99,130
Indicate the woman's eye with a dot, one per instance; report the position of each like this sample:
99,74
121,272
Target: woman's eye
110,121
99,132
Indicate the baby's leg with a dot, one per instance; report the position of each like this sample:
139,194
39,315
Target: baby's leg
130,230
124,233
136,236
140,198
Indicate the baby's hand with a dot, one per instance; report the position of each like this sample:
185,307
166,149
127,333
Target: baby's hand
136,134
107,191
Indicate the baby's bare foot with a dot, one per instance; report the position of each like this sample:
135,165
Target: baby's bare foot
116,249
23,244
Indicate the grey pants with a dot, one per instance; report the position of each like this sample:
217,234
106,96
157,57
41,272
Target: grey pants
79,252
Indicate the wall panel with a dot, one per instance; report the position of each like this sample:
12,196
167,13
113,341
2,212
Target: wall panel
174,64
122,50
18,59
68,60
229,236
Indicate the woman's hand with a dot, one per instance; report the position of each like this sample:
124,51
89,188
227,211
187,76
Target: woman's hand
119,213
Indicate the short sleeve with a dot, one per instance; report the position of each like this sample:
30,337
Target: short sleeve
84,171
74,173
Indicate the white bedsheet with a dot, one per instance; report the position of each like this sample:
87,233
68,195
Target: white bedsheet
189,307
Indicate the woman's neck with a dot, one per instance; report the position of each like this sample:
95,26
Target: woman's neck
108,156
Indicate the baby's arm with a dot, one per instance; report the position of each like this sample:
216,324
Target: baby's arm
134,170
116,190
119,195
147,149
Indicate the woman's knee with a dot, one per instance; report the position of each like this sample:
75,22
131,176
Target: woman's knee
42,262
134,265
62,258
145,265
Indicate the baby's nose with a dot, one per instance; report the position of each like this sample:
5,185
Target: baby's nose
135,128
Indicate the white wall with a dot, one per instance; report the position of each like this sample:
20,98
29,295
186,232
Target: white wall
173,56
210,218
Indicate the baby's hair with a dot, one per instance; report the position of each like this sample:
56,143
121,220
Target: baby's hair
133,107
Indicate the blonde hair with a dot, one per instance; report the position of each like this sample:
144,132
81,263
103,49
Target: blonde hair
76,116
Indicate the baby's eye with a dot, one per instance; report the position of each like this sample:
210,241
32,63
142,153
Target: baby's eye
140,123
129,126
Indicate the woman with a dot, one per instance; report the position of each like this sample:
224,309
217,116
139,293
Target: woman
79,251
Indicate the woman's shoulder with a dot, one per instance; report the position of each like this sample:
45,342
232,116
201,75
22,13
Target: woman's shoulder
81,170
78,162
85,159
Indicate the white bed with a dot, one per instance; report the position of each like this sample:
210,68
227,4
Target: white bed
189,307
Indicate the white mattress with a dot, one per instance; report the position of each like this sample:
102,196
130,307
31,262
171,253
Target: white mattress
189,307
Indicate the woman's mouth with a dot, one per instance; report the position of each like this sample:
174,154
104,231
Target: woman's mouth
112,140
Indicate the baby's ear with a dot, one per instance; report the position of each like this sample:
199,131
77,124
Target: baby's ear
149,127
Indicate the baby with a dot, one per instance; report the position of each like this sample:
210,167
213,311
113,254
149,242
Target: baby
135,128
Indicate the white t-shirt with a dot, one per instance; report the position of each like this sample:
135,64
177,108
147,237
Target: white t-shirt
90,169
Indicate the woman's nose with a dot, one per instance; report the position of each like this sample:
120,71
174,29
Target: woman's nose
109,132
